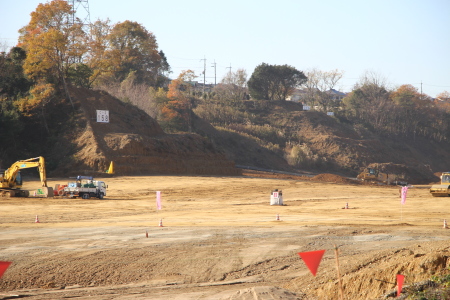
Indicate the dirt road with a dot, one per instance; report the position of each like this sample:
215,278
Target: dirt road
220,239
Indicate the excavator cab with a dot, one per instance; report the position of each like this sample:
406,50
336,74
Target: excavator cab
19,180
372,171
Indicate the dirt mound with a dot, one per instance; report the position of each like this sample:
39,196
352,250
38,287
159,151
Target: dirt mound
135,143
277,175
334,178
376,276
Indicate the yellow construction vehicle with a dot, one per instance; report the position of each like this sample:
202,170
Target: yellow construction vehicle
374,175
443,189
11,180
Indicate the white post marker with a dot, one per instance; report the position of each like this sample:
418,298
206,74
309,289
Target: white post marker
276,198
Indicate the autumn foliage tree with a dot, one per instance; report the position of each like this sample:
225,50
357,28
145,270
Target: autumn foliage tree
97,41
128,47
53,43
443,101
176,108
59,50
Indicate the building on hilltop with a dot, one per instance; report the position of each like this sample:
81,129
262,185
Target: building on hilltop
336,95
306,95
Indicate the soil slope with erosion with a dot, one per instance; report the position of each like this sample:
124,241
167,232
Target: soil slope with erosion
337,146
134,142
138,146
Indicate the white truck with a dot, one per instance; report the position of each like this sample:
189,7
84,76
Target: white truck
85,187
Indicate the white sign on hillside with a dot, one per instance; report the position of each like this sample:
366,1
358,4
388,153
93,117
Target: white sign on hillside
103,116
330,113
306,107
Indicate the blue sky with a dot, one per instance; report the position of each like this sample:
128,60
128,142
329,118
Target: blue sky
403,41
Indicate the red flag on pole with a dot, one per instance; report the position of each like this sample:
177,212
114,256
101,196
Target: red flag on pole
400,280
3,266
312,259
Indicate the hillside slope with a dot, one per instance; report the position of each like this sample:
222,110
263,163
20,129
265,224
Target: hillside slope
327,143
134,142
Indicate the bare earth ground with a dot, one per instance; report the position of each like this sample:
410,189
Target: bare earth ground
220,240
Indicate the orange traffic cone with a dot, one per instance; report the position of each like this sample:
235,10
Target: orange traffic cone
37,219
160,223
146,234
346,205
445,224
278,217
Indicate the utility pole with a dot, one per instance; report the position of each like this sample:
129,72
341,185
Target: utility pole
229,73
421,97
214,65
204,73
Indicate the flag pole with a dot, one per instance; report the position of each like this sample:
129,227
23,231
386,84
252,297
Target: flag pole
401,203
341,291
404,191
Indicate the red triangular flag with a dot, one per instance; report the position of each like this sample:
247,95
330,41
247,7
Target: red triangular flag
3,266
312,259
400,280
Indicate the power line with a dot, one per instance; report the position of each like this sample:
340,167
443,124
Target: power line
436,85
184,58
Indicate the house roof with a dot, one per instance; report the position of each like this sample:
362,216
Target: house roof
337,93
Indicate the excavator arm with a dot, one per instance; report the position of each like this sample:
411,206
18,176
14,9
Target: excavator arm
10,175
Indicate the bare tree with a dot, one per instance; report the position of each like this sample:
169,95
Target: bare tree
319,86
233,86
4,46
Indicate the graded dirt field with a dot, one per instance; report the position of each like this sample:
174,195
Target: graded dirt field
220,239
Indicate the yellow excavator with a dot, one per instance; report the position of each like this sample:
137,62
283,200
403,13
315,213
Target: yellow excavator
443,189
11,180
